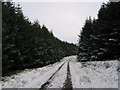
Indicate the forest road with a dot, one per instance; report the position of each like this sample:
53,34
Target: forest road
67,81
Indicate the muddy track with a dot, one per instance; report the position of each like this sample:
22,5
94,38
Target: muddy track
45,85
68,82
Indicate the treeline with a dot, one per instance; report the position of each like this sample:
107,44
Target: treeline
26,44
100,38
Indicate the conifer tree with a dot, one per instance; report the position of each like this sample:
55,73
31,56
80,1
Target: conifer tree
99,39
26,44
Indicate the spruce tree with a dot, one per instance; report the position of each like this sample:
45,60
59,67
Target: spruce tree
99,39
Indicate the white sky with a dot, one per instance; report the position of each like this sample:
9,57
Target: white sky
65,19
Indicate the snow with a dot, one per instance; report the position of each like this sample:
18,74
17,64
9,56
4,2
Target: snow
98,74
31,78
60,78
112,39
0,85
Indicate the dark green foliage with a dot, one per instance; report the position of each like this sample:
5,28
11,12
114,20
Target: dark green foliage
26,44
100,38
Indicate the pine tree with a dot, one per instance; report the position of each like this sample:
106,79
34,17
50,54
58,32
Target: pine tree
26,44
99,39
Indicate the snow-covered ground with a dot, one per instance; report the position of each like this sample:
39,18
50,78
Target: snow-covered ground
31,78
101,74
60,78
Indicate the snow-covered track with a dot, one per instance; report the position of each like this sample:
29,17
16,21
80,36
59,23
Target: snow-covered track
68,81
45,85
66,73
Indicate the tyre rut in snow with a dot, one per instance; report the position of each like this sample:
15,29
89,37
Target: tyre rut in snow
68,82
45,85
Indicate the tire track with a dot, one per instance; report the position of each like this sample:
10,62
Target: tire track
45,85
68,81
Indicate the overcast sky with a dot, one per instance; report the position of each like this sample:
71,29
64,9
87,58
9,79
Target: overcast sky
65,19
